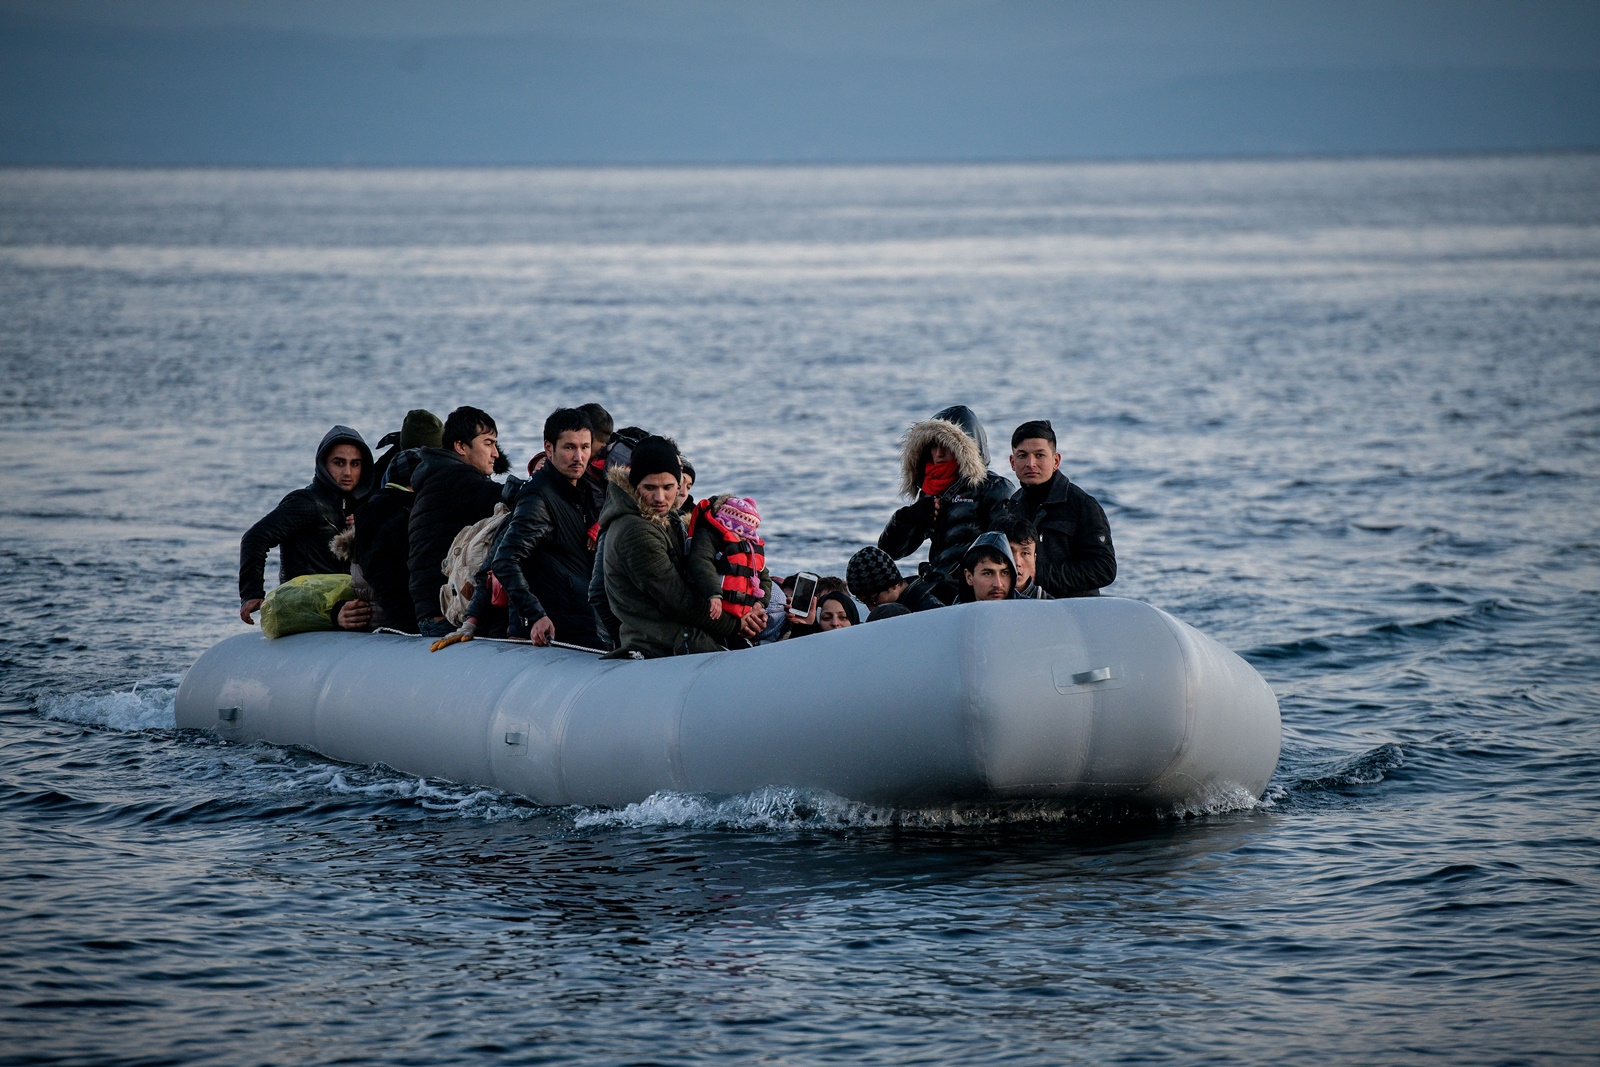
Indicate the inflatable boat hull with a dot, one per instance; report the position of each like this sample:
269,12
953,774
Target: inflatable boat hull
1096,699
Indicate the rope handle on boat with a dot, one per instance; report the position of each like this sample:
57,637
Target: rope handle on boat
503,640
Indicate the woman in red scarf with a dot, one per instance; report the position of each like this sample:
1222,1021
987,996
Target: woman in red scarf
945,469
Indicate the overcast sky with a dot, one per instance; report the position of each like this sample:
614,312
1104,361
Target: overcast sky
573,81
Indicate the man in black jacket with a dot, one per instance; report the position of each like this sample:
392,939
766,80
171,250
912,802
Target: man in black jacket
306,520
453,489
1075,555
543,556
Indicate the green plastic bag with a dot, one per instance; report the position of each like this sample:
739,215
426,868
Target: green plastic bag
306,603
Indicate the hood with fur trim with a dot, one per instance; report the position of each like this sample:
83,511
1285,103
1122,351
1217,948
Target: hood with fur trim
957,429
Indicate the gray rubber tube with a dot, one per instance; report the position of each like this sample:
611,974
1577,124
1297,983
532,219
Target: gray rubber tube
1099,698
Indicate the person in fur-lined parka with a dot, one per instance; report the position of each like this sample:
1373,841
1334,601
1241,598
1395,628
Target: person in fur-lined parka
645,563
944,463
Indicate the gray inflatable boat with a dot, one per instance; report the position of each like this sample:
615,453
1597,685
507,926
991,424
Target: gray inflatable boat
1100,699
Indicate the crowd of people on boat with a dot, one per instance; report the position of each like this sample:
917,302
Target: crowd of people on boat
604,546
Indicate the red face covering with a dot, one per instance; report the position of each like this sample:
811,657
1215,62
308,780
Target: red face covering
937,477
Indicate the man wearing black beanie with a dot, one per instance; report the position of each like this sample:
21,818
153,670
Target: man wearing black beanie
645,563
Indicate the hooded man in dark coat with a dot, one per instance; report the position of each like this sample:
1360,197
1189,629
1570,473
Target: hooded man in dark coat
944,464
988,570
1075,556
305,521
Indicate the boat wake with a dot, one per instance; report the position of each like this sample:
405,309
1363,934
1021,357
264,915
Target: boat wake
149,705
784,810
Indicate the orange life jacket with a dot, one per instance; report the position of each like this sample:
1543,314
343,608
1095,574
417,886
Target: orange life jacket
739,560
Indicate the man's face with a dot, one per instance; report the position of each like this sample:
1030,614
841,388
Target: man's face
569,453
1025,555
685,484
658,492
1035,461
479,452
343,465
989,580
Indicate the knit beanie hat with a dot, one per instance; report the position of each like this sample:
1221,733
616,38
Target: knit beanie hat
421,429
739,514
654,455
870,571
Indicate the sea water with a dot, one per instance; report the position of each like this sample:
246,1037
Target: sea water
1344,416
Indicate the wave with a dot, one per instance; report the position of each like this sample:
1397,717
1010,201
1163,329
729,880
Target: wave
785,809
1334,775
1479,617
149,705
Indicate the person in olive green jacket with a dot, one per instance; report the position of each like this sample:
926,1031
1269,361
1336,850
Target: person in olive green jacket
645,563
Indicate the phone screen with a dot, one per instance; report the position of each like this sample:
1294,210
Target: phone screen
805,593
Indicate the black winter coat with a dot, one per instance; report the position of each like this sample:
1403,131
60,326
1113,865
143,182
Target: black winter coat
1075,554
543,559
966,509
450,494
304,522
382,543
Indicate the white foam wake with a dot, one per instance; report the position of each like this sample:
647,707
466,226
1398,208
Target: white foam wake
149,705
782,809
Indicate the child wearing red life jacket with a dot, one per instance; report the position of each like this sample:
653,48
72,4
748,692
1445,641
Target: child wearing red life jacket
727,559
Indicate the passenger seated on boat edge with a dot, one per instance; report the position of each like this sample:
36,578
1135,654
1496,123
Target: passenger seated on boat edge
376,544
727,557
1019,534
453,490
305,521
618,454
944,465
987,570
876,581
542,557
645,554
1075,556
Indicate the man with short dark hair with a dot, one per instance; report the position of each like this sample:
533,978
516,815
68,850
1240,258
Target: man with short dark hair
987,570
453,489
1075,554
594,479
543,557
1024,542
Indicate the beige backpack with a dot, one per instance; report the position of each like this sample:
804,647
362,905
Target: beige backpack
461,564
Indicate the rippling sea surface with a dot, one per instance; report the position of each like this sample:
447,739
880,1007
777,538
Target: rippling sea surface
1344,417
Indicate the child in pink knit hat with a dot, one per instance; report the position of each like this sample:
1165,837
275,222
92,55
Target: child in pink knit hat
727,558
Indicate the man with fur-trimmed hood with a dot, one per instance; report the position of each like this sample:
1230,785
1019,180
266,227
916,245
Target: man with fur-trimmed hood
944,463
